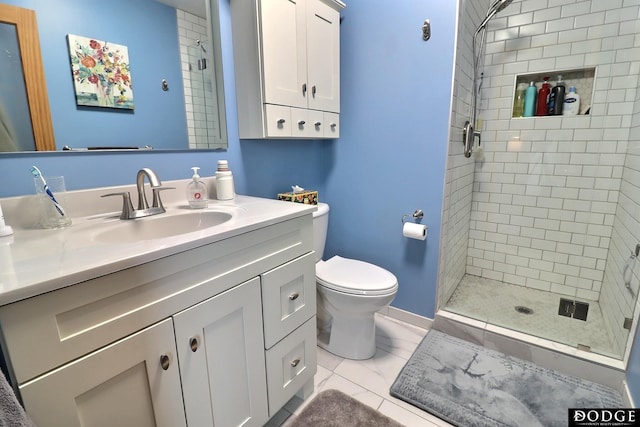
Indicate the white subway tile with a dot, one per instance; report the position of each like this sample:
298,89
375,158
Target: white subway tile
538,284
555,257
517,261
558,25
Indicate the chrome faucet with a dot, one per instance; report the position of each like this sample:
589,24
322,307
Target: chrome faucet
154,182
143,206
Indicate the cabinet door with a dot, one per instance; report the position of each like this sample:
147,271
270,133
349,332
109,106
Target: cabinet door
323,56
222,363
284,52
123,384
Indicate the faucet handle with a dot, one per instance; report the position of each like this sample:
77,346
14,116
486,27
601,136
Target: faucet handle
157,202
127,206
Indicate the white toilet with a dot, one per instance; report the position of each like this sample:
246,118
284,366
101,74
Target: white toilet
349,292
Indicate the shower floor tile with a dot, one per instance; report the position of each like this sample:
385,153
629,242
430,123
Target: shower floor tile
495,302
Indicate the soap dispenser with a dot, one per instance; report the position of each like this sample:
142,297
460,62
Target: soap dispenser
197,191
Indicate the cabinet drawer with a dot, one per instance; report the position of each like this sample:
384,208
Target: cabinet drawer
288,297
307,123
331,125
278,120
290,364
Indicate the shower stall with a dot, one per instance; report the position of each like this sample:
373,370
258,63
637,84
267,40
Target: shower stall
202,79
541,222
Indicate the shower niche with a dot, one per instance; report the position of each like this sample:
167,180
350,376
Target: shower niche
583,79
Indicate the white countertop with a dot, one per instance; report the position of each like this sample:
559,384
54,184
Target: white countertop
34,261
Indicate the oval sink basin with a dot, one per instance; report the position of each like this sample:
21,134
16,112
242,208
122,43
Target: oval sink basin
161,226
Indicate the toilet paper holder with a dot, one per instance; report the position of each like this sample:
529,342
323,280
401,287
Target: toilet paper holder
417,215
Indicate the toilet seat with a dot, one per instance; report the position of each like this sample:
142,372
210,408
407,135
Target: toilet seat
355,277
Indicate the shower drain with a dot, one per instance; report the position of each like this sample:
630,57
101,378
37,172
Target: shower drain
523,310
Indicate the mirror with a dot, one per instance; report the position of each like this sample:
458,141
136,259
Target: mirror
175,67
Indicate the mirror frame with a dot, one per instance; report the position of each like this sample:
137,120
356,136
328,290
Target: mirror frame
30,55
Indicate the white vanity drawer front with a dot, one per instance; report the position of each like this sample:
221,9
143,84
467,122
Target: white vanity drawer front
331,125
278,119
78,319
288,297
290,364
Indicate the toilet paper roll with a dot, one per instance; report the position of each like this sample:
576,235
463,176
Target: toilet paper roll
414,231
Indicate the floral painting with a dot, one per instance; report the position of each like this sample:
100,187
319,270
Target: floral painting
101,73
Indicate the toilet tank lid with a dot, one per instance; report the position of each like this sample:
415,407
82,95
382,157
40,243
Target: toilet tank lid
323,209
353,276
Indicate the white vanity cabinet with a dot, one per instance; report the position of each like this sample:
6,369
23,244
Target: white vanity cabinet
175,341
287,63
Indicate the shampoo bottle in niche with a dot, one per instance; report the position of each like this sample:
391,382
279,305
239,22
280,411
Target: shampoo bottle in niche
530,100
197,191
543,98
518,100
224,181
556,98
571,103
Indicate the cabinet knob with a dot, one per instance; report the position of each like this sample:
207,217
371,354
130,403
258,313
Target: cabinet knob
304,89
333,125
317,124
281,121
294,296
165,362
301,123
194,343
313,90
295,363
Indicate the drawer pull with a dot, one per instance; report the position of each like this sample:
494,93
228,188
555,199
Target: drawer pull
333,125
317,124
301,123
281,121
165,362
295,363
294,296
194,343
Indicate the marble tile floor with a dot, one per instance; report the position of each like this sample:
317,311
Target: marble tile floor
369,380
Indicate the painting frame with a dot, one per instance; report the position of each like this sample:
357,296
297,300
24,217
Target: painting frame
101,73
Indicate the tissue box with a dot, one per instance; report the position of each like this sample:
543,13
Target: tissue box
306,197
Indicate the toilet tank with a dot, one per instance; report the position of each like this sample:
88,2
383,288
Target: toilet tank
320,226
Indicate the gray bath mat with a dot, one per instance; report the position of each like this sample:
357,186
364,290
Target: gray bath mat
332,408
469,385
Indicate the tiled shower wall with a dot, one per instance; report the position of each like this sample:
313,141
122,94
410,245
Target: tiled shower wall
459,176
199,88
546,192
616,301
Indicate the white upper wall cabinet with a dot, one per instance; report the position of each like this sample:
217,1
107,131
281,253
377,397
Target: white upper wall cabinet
287,64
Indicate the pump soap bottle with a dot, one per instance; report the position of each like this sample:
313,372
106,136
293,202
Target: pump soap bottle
224,181
571,103
197,191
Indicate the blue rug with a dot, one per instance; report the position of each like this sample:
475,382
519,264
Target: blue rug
468,385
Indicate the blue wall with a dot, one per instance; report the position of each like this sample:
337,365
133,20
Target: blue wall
390,158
